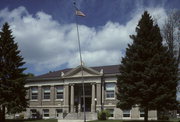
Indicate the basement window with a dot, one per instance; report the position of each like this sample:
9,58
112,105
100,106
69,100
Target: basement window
46,113
126,113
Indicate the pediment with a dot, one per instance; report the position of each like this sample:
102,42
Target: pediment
77,72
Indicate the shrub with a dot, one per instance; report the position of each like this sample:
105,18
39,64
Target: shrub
103,115
21,116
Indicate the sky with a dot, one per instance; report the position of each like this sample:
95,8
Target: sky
45,30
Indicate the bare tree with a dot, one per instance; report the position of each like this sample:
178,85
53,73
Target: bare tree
171,33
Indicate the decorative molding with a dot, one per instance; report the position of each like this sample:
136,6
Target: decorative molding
78,69
62,74
101,72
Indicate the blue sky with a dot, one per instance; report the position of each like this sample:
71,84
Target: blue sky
46,33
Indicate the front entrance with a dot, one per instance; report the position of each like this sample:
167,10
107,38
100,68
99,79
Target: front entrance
79,97
87,104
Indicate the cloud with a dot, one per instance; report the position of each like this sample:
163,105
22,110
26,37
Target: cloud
46,44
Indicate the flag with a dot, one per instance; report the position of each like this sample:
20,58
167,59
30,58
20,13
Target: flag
80,13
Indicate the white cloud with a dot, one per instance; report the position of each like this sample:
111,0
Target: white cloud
45,43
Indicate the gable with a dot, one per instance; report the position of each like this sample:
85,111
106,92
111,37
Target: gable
76,72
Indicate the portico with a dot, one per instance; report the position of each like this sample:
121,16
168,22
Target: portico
76,97
92,85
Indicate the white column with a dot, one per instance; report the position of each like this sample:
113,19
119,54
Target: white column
66,98
98,97
79,105
93,98
72,97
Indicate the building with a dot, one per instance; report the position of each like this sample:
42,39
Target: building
59,94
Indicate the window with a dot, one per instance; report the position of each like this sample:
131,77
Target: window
34,93
46,92
110,90
33,113
141,113
59,92
126,113
58,111
46,113
111,111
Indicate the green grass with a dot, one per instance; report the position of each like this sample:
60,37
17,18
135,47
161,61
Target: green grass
132,121
43,120
107,121
55,120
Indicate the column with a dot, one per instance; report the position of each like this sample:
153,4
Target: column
79,104
66,98
98,96
93,98
72,97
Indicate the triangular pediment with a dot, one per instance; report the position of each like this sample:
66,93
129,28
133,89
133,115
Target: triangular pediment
77,72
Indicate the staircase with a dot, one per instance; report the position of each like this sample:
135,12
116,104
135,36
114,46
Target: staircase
79,116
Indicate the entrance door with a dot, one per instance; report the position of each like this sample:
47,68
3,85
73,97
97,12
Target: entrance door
87,104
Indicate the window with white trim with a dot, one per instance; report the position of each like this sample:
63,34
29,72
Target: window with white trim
110,90
34,93
142,113
126,113
45,112
46,91
33,113
59,92
58,111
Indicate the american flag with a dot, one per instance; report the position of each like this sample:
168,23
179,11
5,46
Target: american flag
80,13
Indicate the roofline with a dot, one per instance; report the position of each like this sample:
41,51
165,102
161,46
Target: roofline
115,74
92,67
39,79
61,78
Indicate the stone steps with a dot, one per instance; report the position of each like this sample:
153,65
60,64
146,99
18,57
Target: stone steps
70,120
80,116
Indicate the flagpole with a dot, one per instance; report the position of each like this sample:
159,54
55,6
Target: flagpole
80,56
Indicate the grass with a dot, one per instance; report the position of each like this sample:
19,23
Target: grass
133,121
31,120
55,120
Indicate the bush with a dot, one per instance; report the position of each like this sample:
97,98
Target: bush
163,117
103,115
21,116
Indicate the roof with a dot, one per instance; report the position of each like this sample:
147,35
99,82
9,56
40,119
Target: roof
112,69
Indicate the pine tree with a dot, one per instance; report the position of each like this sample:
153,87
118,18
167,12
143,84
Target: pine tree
148,74
12,78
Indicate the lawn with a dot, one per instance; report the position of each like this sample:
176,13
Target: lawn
47,120
54,120
133,121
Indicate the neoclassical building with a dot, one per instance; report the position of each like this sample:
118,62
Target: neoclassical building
59,94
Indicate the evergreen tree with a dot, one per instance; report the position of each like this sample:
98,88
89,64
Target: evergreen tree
148,73
12,78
